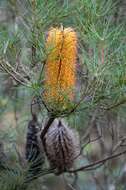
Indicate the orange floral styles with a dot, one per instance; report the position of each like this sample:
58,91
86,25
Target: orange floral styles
60,68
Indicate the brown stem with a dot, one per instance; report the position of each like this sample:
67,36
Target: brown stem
44,131
86,167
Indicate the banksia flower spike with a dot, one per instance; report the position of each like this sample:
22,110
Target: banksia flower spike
60,68
61,145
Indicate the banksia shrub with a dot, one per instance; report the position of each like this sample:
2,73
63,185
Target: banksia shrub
60,68
61,145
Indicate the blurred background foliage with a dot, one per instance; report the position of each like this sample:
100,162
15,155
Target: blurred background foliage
101,88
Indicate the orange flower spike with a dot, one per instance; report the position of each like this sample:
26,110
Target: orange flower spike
60,69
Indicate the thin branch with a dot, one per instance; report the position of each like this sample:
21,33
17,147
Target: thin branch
92,140
121,102
39,174
97,162
46,127
95,167
119,144
13,73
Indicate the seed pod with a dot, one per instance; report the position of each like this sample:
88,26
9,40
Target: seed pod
61,146
60,68
34,153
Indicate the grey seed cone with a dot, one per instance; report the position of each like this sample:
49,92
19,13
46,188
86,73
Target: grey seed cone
62,146
34,153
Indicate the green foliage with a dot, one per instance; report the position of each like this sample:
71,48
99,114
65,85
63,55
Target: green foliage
101,76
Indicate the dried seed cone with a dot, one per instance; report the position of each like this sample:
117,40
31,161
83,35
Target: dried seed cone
61,145
33,151
60,69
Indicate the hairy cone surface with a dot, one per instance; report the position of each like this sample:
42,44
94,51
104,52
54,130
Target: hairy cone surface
34,154
61,146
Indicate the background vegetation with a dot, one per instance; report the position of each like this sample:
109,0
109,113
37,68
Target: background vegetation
99,112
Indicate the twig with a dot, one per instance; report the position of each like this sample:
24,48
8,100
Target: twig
92,140
97,162
116,105
13,73
41,173
119,144
44,131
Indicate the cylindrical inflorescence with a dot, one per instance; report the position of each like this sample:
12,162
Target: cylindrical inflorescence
61,145
60,68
